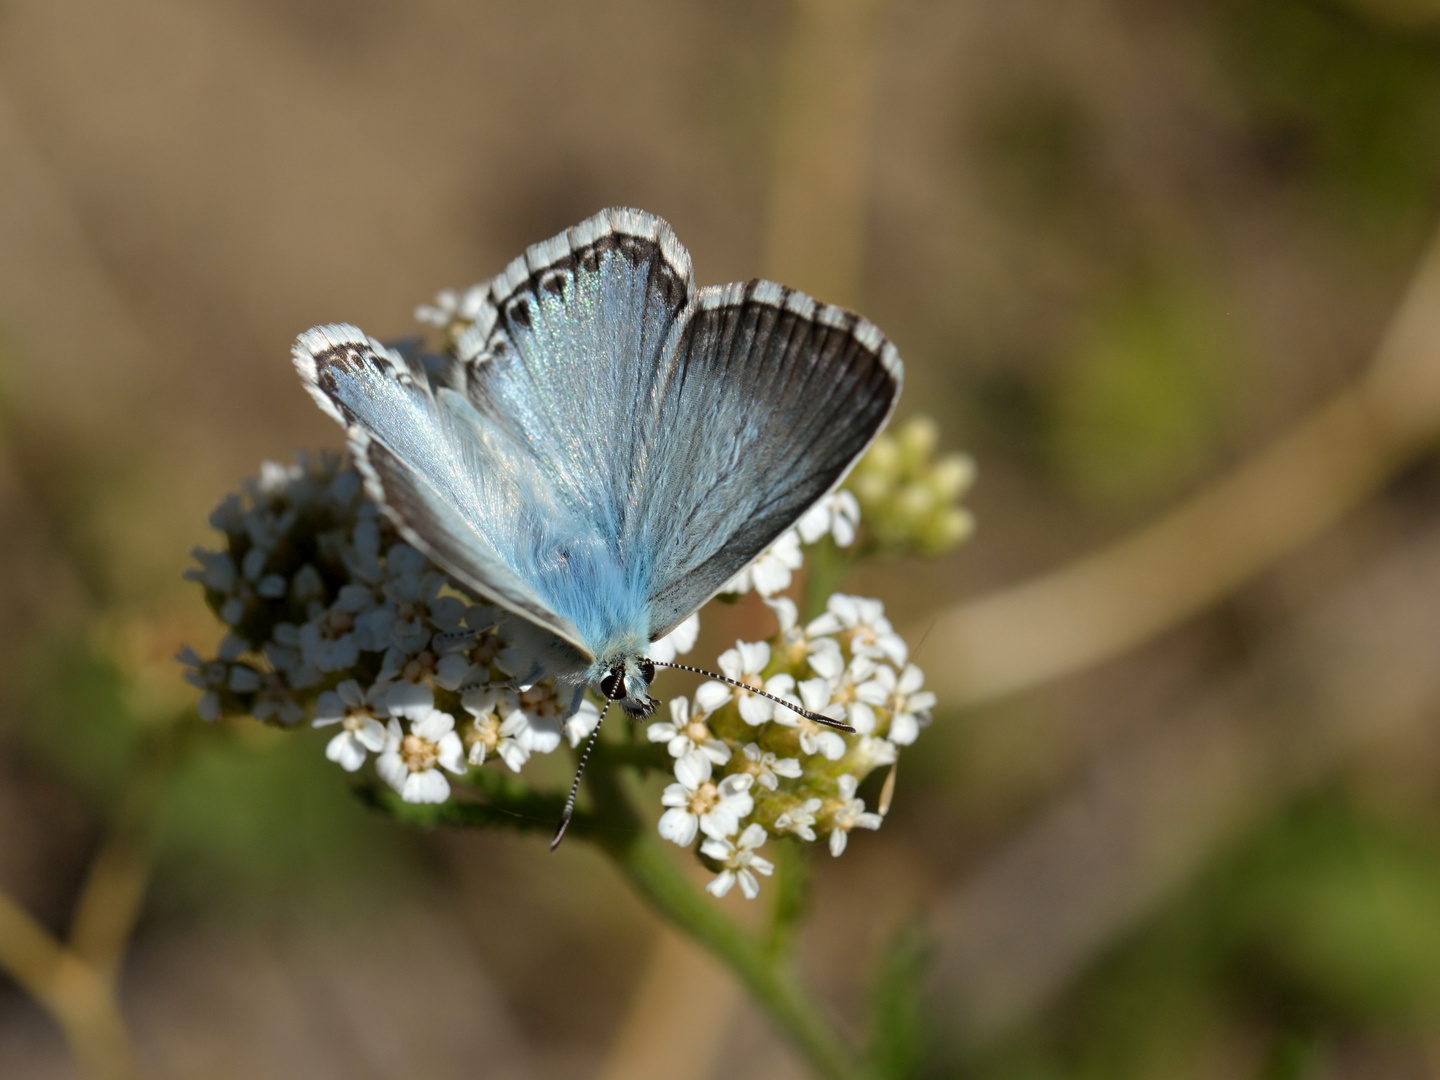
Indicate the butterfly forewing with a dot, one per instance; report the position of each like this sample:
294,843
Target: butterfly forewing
766,400
569,348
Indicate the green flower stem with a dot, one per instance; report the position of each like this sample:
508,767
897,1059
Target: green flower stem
791,888
510,803
827,566
769,976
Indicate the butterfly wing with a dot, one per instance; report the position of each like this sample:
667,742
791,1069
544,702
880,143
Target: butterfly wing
611,446
451,486
765,400
565,359
566,353
688,429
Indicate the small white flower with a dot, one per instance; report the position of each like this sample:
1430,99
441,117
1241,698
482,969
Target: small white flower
767,768
278,701
771,570
359,714
871,753
329,643
217,570
909,705
837,514
863,621
580,724
502,727
411,763
441,313
698,803
847,681
800,820
685,732
451,310
815,738
679,641
739,861
848,813
210,676
454,670
745,664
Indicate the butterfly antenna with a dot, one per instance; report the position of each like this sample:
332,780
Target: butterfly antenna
575,784
838,725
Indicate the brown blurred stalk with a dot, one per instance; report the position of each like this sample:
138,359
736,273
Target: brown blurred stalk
74,993
1103,604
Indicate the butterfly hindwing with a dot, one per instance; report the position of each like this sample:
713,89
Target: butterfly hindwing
429,472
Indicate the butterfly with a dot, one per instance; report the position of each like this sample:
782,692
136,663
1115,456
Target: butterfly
607,445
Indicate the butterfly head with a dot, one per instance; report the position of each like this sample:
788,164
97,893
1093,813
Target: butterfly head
627,683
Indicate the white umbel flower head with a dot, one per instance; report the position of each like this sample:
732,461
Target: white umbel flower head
848,812
360,715
411,762
739,862
697,803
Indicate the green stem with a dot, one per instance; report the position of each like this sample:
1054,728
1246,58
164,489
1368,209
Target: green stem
827,565
791,894
768,976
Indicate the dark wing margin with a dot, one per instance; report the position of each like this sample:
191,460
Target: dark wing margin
413,465
548,268
766,400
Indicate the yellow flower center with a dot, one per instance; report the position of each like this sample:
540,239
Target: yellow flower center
485,730
706,796
422,665
418,754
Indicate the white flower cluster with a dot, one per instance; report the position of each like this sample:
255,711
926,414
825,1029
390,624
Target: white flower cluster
747,767
331,616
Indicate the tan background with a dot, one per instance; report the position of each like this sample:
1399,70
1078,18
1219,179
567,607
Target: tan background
1125,248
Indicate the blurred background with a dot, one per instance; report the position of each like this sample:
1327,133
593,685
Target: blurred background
1163,267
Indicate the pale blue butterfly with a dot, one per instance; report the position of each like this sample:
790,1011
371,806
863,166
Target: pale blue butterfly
610,445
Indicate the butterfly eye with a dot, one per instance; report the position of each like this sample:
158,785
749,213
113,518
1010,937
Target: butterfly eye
613,685
647,671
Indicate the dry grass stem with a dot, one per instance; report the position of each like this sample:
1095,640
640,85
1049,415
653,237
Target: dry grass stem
1103,604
